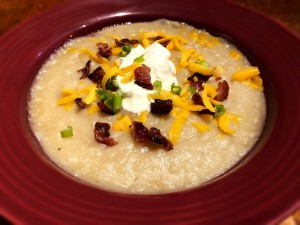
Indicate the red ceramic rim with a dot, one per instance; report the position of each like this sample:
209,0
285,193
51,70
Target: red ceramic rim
262,189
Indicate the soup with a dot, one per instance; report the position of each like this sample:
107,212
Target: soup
147,108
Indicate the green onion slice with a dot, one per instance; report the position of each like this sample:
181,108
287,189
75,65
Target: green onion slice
101,94
193,90
202,63
175,89
139,59
126,49
157,85
220,110
112,100
66,133
112,84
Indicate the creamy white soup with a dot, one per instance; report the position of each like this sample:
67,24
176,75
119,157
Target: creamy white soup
147,108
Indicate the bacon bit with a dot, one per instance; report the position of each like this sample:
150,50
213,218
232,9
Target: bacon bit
206,111
142,77
156,136
97,75
161,106
85,70
218,78
124,41
197,99
158,38
104,50
79,102
101,132
142,134
197,80
222,90
104,108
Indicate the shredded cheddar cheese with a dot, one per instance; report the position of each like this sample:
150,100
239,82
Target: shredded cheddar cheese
69,105
179,121
67,99
112,72
201,127
255,83
195,67
246,74
93,55
223,122
175,111
93,109
69,95
206,95
71,50
175,41
92,96
185,55
218,71
122,124
185,93
142,117
116,50
235,54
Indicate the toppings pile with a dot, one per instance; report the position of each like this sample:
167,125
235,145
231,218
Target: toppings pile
203,92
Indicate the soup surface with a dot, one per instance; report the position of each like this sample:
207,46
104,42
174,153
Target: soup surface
203,96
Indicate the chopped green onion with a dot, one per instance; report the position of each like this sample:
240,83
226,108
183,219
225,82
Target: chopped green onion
202,63
66,133
157,85
112,100
193,90
220,110
175,89
117,103
112,84
126,49
101,94
139,59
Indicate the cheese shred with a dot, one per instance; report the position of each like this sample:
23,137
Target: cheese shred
177,125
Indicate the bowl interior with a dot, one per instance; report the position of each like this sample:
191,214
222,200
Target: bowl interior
111,20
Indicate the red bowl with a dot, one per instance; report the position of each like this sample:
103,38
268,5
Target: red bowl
262,188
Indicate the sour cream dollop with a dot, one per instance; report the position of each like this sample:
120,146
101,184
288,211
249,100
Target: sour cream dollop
156,57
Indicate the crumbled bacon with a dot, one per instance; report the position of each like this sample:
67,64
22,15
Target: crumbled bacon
142,77
222,91
124,41
97,75
165,43
161,106
104,108
85,70
156,136
206,111
197,99
156,38
79,102
104,50
142,134
102,134
197,80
